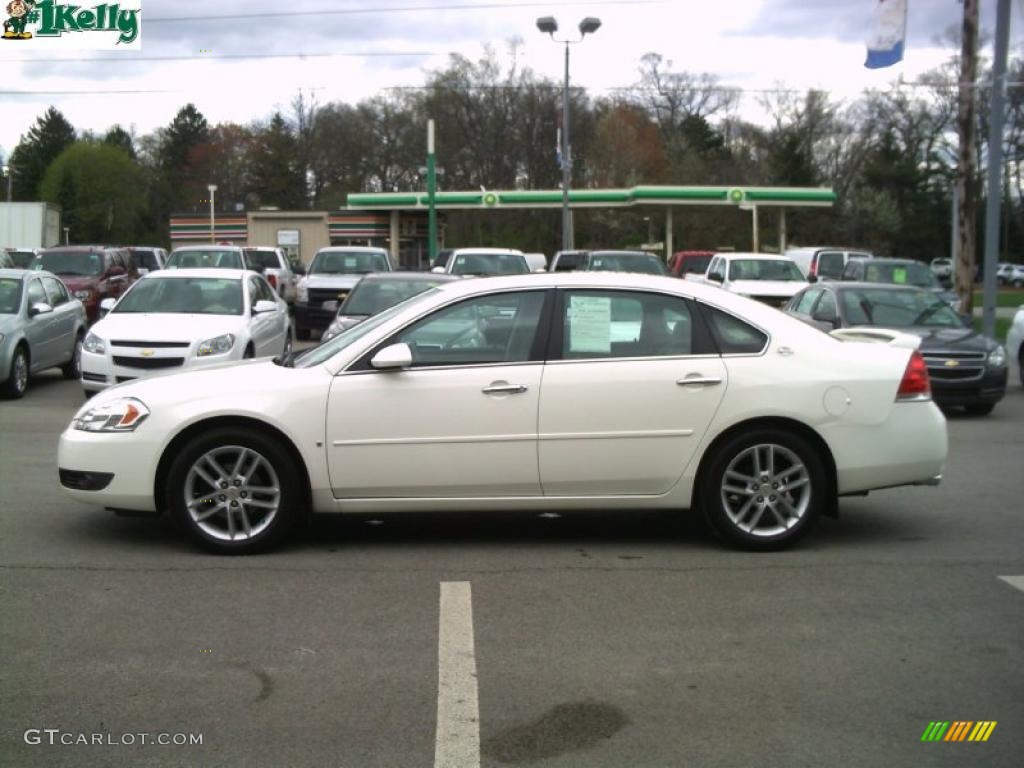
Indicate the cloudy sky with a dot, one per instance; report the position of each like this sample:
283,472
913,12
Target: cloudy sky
348,50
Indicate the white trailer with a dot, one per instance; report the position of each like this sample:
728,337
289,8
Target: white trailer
29,225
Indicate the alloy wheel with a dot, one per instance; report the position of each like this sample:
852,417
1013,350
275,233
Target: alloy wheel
232,493
766,490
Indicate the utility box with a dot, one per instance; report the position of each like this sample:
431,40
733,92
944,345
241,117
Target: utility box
29,225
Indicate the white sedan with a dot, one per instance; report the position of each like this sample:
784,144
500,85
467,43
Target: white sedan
527,392
184,318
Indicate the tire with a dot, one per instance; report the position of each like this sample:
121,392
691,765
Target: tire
979,409
302,334
239,503
17,375
746,518
73,368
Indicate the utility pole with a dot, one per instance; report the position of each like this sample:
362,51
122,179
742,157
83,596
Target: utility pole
993,202
431,195
963,268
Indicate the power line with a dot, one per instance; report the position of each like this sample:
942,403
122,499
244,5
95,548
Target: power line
395,9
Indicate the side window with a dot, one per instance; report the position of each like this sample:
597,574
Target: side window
733,336
614,324
715,266
36,294
827,305
266,292
499,328
830,264
56,291
807,299
255,291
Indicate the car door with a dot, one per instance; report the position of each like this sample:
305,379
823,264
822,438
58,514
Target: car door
65,318
41,330
631,384
461,422
261,325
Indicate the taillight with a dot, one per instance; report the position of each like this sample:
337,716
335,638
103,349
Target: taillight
915,384
813,271
272,279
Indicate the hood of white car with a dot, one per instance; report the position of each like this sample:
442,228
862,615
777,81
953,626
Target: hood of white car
166,327
331,281
780,288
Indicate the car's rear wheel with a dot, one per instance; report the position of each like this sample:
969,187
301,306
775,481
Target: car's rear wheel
235,491
17,375
764,490
73,368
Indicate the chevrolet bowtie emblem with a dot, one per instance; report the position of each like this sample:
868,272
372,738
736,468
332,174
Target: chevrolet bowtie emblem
952,363
147,353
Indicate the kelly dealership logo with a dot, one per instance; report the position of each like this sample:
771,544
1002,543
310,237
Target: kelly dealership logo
77,26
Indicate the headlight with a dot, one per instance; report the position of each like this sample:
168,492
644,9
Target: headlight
302,292
94,344
121,415
997,357
216,346
84,295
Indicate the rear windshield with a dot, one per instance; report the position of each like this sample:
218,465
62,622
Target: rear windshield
695,264
644,263
10,296
490,264
71,263
348,263
764,269
206,259
22,259
145,259
265,259
371,296
914,274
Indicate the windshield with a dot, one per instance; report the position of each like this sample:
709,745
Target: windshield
184,295
907,273
372,296
490,264
898,309
265,259
349,263
764,269
644,263
145,259
73,263
695,264
22,259
328,349
205,259
10,296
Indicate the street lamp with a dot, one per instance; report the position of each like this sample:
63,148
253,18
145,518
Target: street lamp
549,26
9,173
213,189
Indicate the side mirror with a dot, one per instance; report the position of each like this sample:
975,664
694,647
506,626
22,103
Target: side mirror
392,358
437,270
106,305
827,318
263,306
39,308
716,277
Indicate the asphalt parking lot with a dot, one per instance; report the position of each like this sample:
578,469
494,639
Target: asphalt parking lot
601,639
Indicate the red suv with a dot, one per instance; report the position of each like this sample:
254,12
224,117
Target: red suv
686,262
91,272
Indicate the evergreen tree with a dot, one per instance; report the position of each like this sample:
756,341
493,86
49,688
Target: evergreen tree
120,138
45,140
278,177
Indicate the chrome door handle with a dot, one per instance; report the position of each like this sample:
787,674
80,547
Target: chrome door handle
504,389
704,381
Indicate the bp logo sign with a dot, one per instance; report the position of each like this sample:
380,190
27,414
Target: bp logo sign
78,27
736,195
490,199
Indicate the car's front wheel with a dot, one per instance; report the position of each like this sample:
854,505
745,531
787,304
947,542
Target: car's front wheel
72,369
234,490
17,376
764,490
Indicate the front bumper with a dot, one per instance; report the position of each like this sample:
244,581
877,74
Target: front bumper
990,387
313,316
129,460
100,371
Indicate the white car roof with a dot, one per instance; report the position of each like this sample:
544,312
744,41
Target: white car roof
756,256
515,251
351,248
207,247
230,274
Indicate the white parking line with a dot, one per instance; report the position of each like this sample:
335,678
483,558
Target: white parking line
1014,581
458,711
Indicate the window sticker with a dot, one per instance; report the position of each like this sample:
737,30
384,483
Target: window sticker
590,324
899,276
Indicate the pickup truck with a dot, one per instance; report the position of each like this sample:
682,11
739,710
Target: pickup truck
767,278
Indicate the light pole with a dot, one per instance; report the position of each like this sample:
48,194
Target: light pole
213,190
549,26
431,192
9,173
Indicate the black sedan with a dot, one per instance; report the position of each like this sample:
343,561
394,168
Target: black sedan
377,292
966,368
898,272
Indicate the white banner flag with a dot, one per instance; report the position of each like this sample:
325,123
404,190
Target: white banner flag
885,45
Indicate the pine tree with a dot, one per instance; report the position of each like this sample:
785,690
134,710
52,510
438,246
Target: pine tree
45,140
